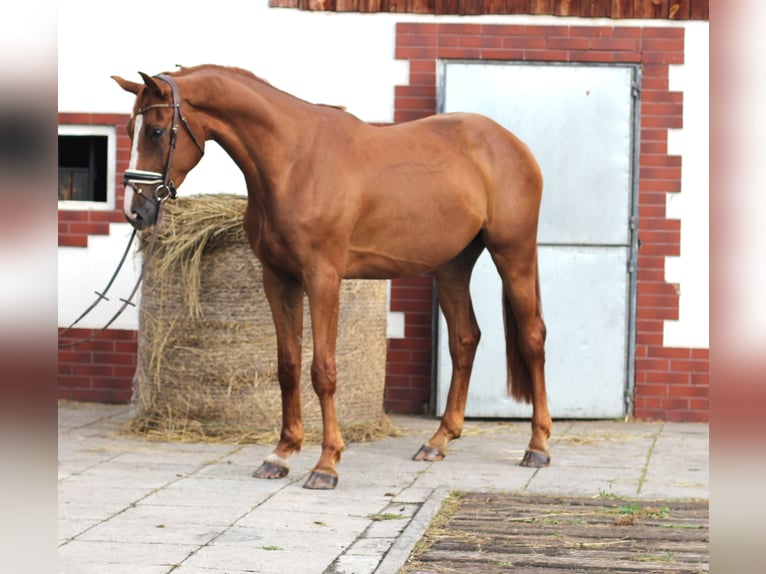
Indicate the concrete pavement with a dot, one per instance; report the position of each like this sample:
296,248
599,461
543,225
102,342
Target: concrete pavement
133,506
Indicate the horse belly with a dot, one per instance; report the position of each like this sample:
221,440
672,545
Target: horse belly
399,252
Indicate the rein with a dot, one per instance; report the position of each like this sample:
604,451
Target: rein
163,190
125,302
101,296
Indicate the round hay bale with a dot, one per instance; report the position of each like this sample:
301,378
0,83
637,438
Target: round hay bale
207,347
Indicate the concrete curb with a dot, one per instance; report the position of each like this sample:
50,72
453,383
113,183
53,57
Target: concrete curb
400,550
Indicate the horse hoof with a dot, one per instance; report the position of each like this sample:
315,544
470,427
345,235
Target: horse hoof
535,459
321,481
270,470
429,454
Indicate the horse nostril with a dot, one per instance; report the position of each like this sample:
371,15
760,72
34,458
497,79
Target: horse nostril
134,218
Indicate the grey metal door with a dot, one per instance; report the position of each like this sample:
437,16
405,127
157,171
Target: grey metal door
579,122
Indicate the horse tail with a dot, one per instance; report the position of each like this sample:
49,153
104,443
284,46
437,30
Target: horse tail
519,379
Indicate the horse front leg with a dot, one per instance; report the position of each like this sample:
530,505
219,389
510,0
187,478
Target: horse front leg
323,290
285,297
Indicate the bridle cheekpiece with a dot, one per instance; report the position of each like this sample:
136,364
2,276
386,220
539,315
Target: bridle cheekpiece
163,186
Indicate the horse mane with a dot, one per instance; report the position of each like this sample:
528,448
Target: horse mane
247,74
184,70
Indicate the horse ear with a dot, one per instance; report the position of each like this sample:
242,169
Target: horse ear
127,85
151,83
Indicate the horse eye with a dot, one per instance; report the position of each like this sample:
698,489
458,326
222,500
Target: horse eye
156,132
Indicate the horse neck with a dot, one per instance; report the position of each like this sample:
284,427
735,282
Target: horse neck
253,123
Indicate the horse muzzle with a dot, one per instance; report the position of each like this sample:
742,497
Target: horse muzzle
153,188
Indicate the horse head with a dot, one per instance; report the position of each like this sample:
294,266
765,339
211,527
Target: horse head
161,153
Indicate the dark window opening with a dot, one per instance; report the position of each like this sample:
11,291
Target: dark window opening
82,168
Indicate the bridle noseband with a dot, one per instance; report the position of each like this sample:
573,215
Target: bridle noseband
164,187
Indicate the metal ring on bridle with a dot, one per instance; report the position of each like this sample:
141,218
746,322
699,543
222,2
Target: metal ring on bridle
164,191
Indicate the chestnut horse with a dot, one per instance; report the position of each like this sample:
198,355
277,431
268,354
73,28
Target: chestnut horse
332,197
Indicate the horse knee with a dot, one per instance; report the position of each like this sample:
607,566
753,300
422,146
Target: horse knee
324,375
289,374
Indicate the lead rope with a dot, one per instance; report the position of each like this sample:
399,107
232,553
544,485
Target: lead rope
125,302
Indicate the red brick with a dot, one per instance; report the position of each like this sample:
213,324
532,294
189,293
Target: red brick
664,249
74,382
662,32
548,31
125,372
503,30
674,403
689,391
398,356
414,103
700,353
652,390
589,56
650,275
87,228
481,42
647,261
614,44
526,42
658,185
126,346
671,352
654,300
653,364
651,339
591,32
452,41
413,344
502,54
649,326
668,377
690,366
416,39
72,215
664,45
415,28
113,358
460,52
415,52
702,405
546,55
557,43
106,216
700,378
73,241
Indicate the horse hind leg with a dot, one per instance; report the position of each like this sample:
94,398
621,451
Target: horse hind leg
453,289
525,338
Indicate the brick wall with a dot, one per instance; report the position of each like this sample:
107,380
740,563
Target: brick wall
99,370
671,383
408,364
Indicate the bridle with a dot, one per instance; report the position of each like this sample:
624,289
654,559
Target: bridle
163,186
163,190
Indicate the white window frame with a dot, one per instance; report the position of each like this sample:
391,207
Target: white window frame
111,165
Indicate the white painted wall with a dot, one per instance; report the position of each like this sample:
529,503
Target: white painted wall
334,58
691,269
